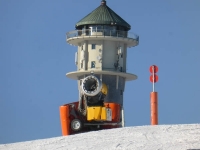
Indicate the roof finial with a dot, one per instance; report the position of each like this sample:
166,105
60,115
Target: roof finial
103,2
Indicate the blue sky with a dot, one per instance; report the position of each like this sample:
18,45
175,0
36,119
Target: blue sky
34,58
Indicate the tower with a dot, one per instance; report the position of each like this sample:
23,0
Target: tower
102,38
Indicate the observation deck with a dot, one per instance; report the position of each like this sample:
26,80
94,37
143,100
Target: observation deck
77,74
77,36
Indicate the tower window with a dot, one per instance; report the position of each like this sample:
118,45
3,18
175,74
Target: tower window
92,64
93,46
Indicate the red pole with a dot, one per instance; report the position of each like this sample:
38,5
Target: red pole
154,108
64,119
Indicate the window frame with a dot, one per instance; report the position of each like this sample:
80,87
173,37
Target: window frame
93,64
93,46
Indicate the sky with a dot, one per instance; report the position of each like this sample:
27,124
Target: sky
34,58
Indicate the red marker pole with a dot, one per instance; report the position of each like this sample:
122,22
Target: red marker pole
154,108
154,96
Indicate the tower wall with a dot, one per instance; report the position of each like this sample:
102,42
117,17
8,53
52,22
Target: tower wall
102,55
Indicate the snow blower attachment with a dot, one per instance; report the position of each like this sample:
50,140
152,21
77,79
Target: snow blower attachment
91,112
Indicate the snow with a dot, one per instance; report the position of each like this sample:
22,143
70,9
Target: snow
169,137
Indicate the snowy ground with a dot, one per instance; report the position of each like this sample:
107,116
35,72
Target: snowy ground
169,137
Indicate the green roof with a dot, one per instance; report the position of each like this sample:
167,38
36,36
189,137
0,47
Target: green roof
103,15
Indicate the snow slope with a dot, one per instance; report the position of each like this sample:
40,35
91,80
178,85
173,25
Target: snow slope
169,137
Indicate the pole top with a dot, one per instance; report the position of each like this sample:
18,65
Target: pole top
153,69
103,2
153,78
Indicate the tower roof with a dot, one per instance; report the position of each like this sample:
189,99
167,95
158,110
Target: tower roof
103,15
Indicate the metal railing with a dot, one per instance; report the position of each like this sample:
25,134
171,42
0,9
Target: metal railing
105,69
102,32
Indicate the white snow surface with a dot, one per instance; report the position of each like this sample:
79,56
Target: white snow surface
160,137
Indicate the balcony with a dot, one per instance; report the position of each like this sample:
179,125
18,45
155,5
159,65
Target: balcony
77,36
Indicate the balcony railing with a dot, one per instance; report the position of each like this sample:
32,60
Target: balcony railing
102,32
